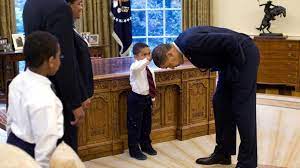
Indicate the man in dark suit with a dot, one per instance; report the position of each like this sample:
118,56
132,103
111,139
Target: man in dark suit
236,58
55,16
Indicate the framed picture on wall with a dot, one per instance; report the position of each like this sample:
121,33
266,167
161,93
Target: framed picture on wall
93,39
18,41
3,43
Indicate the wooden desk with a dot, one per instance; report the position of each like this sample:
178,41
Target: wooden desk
279,62
182,109
9,67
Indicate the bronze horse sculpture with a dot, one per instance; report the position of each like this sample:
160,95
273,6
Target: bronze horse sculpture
270,12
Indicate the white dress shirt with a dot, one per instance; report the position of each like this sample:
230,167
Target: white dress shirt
35,114
138,76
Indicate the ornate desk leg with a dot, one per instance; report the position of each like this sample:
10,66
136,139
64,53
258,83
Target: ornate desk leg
211,118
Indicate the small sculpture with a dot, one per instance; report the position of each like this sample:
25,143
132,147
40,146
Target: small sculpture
270,12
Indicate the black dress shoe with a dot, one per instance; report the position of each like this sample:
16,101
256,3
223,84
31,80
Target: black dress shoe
136,153
147,148
215,158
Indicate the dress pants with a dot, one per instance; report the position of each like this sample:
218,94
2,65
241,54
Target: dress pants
70,131
234,105
139,119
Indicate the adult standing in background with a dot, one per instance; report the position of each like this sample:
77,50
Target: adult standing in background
82,52
55,16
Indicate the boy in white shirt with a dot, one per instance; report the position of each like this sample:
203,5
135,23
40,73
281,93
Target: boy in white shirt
34,116
139,103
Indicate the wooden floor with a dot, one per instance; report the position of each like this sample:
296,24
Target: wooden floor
278,122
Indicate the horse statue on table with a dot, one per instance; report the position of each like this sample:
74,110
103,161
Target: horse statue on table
270,12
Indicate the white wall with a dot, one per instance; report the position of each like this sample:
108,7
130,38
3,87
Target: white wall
245,15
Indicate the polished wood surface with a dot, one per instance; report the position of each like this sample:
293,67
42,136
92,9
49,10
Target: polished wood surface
182,109
278,129
279,62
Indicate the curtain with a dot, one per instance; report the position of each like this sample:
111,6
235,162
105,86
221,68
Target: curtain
7,27
195,13
96,19
7,18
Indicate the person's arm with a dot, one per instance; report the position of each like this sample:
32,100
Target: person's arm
140,65
67,79
83,89
85,68
8,125
47,128
12,108
153,75
10,100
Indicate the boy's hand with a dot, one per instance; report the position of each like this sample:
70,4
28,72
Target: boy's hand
78,115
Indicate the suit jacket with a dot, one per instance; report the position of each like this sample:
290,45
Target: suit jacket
85,65
55,16
212,47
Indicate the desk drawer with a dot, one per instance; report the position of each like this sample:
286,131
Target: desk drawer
280,55
273,45
279,78
278,72
277,65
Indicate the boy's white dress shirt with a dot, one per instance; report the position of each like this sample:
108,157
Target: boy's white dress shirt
138,76
35,114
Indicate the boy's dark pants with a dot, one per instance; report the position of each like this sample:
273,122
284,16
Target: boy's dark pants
139,119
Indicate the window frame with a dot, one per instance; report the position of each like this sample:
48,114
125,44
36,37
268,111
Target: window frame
163,9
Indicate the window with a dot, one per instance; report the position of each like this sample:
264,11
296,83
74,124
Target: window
155,21
19,4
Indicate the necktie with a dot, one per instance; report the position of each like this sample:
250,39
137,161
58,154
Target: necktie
152,91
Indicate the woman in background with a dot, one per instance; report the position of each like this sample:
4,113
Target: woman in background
82,54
